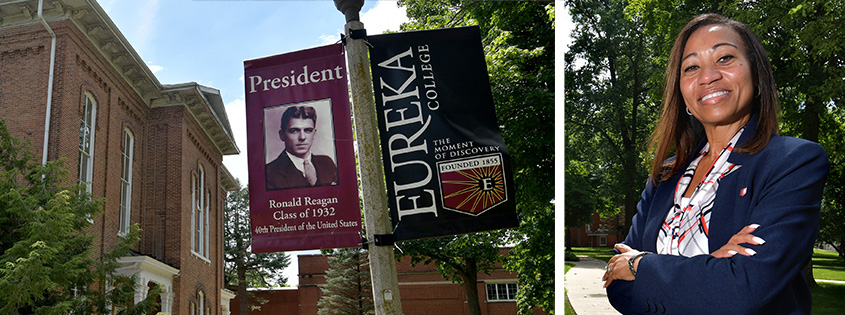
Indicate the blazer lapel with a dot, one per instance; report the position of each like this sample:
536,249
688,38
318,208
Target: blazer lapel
733,200
662,202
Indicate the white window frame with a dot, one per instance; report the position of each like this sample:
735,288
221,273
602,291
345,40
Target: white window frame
87,124
501,287
205,223
126,182
201,304
602,240
193,210
200,200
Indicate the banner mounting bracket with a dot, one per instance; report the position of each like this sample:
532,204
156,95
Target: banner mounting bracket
384,239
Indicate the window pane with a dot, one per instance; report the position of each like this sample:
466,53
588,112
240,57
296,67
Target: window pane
126,183
491,292
124,214
193,210
83,168
511,291
86,138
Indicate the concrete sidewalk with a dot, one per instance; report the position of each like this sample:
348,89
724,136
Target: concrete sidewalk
584,286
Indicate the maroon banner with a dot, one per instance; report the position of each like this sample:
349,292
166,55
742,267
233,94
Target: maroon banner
303,189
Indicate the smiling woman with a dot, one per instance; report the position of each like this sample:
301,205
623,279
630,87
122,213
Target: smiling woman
716,81
690,248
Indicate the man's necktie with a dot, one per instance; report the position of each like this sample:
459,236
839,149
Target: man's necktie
310,172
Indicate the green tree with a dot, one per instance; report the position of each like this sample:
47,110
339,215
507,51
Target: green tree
242,268
47,264
518,39
348,289
832,229
610,110
458,259
580,196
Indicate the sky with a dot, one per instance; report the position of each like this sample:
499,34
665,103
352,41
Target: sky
206,41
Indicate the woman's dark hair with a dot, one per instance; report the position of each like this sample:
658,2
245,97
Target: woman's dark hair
676,131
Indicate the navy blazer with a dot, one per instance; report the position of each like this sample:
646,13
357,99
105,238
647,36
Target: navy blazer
780,189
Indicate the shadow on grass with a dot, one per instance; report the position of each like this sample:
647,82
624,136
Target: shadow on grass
601,253
828,265
828,298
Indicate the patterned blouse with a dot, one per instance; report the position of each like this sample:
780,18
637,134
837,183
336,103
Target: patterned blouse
685,230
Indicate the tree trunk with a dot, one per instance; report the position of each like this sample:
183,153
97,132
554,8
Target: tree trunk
810,132
471,287
244,298
841,248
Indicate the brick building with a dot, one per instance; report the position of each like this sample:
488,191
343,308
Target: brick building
153,150
422,289
600,232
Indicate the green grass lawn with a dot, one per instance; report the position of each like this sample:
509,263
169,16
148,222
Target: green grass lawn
567,309
602,253
828,298
827,265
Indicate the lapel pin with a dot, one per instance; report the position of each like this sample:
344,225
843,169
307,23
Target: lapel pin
743,191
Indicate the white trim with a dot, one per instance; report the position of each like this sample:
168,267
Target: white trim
128,155
507,291
226,297
193,211
205,224
200,257
147,269
200,206
201,299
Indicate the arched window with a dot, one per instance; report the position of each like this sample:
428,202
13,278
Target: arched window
201,200
205,228
126,182
87,123
200,303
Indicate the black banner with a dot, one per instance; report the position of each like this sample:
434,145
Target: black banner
447,168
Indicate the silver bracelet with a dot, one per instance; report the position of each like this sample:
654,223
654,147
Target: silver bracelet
634,258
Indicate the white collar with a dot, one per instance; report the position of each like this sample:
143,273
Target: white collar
297,161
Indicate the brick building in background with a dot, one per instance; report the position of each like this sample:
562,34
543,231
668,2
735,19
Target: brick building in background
422,289
154,151
599,232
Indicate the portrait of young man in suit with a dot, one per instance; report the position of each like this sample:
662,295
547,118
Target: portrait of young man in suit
297,166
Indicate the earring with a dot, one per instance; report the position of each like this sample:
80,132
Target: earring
688,112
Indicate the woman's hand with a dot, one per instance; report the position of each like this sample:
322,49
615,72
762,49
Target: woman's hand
617,266
742,237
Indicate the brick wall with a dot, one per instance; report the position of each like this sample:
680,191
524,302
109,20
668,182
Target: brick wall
169,146
422,290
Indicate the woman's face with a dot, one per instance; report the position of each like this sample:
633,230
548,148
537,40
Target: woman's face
715,78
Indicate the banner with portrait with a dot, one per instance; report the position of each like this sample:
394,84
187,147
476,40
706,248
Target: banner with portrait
303,188
446,165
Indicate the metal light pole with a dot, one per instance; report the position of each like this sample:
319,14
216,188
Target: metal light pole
382,262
